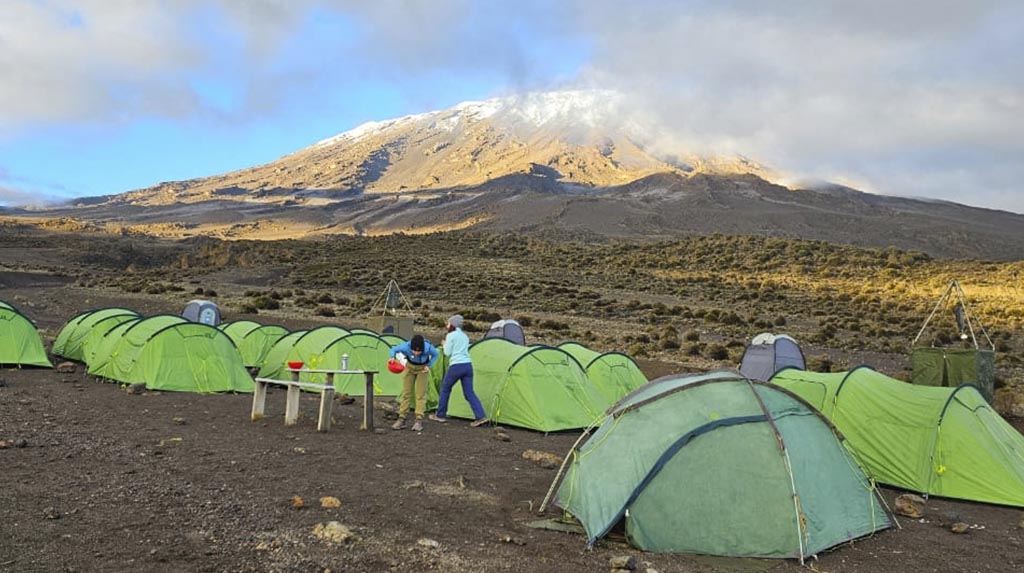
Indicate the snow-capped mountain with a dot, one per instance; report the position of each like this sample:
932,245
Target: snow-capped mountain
579,139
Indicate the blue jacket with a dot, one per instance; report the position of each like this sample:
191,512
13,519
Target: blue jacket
428,357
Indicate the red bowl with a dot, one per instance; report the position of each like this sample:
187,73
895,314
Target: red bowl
395,366
295,364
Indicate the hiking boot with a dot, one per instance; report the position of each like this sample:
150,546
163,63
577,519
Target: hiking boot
438,419
399,424
479,422
417,426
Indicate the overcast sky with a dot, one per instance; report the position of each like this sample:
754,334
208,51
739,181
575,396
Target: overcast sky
904,98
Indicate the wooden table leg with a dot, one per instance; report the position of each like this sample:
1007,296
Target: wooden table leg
259,400
323,423
291,409
368,404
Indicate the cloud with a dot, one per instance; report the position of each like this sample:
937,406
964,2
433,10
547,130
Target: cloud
909,98
916,98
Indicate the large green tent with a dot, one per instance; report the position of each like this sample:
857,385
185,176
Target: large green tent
19,340
258,342
720,465
177,356
940,441
537,387
70,341
614,374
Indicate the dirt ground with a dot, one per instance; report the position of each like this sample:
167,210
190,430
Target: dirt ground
96,479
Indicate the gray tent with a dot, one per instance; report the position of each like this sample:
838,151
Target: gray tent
202,311
768,353
508,329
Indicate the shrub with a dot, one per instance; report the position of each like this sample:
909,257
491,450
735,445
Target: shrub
324,311
718,352
691,336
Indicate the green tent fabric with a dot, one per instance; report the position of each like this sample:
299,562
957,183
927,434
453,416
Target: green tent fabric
102,339
258,342
536,387
71,339
190,357
275,358
720,465
178,356
938,441
951,367
614,374
238,330
116,355
19,340
393,339
365,350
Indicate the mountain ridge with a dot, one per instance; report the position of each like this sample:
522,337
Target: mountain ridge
567,161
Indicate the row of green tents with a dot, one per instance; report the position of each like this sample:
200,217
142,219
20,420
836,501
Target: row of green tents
164,352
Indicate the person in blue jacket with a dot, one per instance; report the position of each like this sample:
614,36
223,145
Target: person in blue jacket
420,355
460,368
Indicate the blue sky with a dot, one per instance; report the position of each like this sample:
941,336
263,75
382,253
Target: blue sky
920,99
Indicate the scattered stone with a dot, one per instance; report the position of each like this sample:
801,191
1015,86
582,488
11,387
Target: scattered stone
66,368
512,540
502,437
135,389
959,527
543,459
333,532
299,450
20,443
330,502
298,502
344,399
382,430
179,421
428,543
909,505
1021,524
51,513
415,484
3,382
623,563
66,381
4,444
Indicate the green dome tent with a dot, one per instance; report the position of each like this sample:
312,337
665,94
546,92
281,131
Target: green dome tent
305,346
720,465
99,330
258,342
394,339
238,330
70,342
19,340
101,340
938,441
115,355
178,356
536,387
613,373
365,350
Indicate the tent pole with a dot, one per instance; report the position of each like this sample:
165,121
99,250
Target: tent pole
561,470
789,468
934,310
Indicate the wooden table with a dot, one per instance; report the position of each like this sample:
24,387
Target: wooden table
291,411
